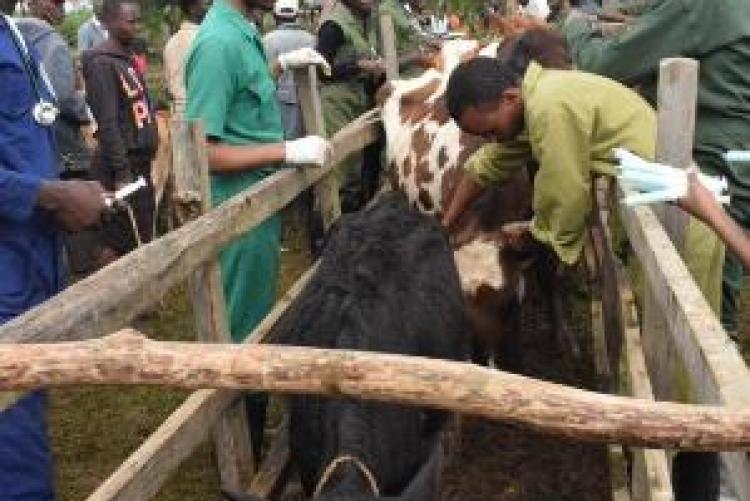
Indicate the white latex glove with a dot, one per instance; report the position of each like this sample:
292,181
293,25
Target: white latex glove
310,150
304,57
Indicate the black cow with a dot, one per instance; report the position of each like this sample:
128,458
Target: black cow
387,283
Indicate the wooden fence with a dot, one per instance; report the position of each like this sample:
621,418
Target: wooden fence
679,352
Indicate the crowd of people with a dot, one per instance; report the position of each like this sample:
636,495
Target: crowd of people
231,68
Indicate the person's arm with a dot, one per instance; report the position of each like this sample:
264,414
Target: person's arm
224,157
466,194
102,90
668,30
210,87
330,40
210,78
75,205
701,204
560,139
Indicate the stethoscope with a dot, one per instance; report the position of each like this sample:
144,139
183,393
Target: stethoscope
44,112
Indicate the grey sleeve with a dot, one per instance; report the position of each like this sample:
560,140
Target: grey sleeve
58,62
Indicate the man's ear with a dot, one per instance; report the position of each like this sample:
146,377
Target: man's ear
511,95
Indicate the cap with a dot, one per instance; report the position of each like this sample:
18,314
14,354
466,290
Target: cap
286,8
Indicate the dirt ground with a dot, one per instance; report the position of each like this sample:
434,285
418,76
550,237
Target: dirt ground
504,463
94,429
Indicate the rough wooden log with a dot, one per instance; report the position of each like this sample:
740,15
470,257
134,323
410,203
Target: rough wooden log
107,300
141,475
129,358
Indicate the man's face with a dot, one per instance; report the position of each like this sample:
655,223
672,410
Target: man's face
501,121
125,25
52,11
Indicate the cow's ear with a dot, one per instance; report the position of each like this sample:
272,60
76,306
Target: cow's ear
239,496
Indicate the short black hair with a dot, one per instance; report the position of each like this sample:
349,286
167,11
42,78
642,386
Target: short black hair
111,8
185,5
479,81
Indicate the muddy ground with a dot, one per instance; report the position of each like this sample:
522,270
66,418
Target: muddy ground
94,429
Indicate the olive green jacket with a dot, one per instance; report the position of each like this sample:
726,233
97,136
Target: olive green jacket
716,33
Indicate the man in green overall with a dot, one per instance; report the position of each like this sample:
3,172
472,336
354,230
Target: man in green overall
231,90
348,39
717,34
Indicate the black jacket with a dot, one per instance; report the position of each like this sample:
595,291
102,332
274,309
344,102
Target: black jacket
126,125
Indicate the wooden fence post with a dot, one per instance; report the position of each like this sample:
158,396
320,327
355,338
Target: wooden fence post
230,434
388,38
678,90
308,94
677,104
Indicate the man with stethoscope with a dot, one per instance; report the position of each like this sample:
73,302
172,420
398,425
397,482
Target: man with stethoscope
34,207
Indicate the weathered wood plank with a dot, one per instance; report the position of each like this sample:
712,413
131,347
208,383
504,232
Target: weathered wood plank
129,358
651,478
141,476
274,471
388,43
715,371
308,93
230,434
110,298
677,105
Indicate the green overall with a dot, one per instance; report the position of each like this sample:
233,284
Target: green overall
573,122
717,34
344,101
231,90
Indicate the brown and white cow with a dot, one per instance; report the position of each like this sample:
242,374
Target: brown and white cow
425,153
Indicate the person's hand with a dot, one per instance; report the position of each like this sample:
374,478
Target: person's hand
374,67
75,205
699,201
515,235
310,150
304,57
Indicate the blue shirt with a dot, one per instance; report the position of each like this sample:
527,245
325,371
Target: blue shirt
30,271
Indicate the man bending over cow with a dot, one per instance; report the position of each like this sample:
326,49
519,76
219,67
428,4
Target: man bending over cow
569,122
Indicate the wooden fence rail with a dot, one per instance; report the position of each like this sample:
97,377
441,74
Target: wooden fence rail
127,357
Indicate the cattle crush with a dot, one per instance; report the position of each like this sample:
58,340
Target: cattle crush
676,351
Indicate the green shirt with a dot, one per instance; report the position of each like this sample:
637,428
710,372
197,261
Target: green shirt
715,32
231,90
573,122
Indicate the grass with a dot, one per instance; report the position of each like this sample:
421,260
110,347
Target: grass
94,429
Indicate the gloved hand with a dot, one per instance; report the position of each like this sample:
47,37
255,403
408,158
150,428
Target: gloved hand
310,150
304,57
